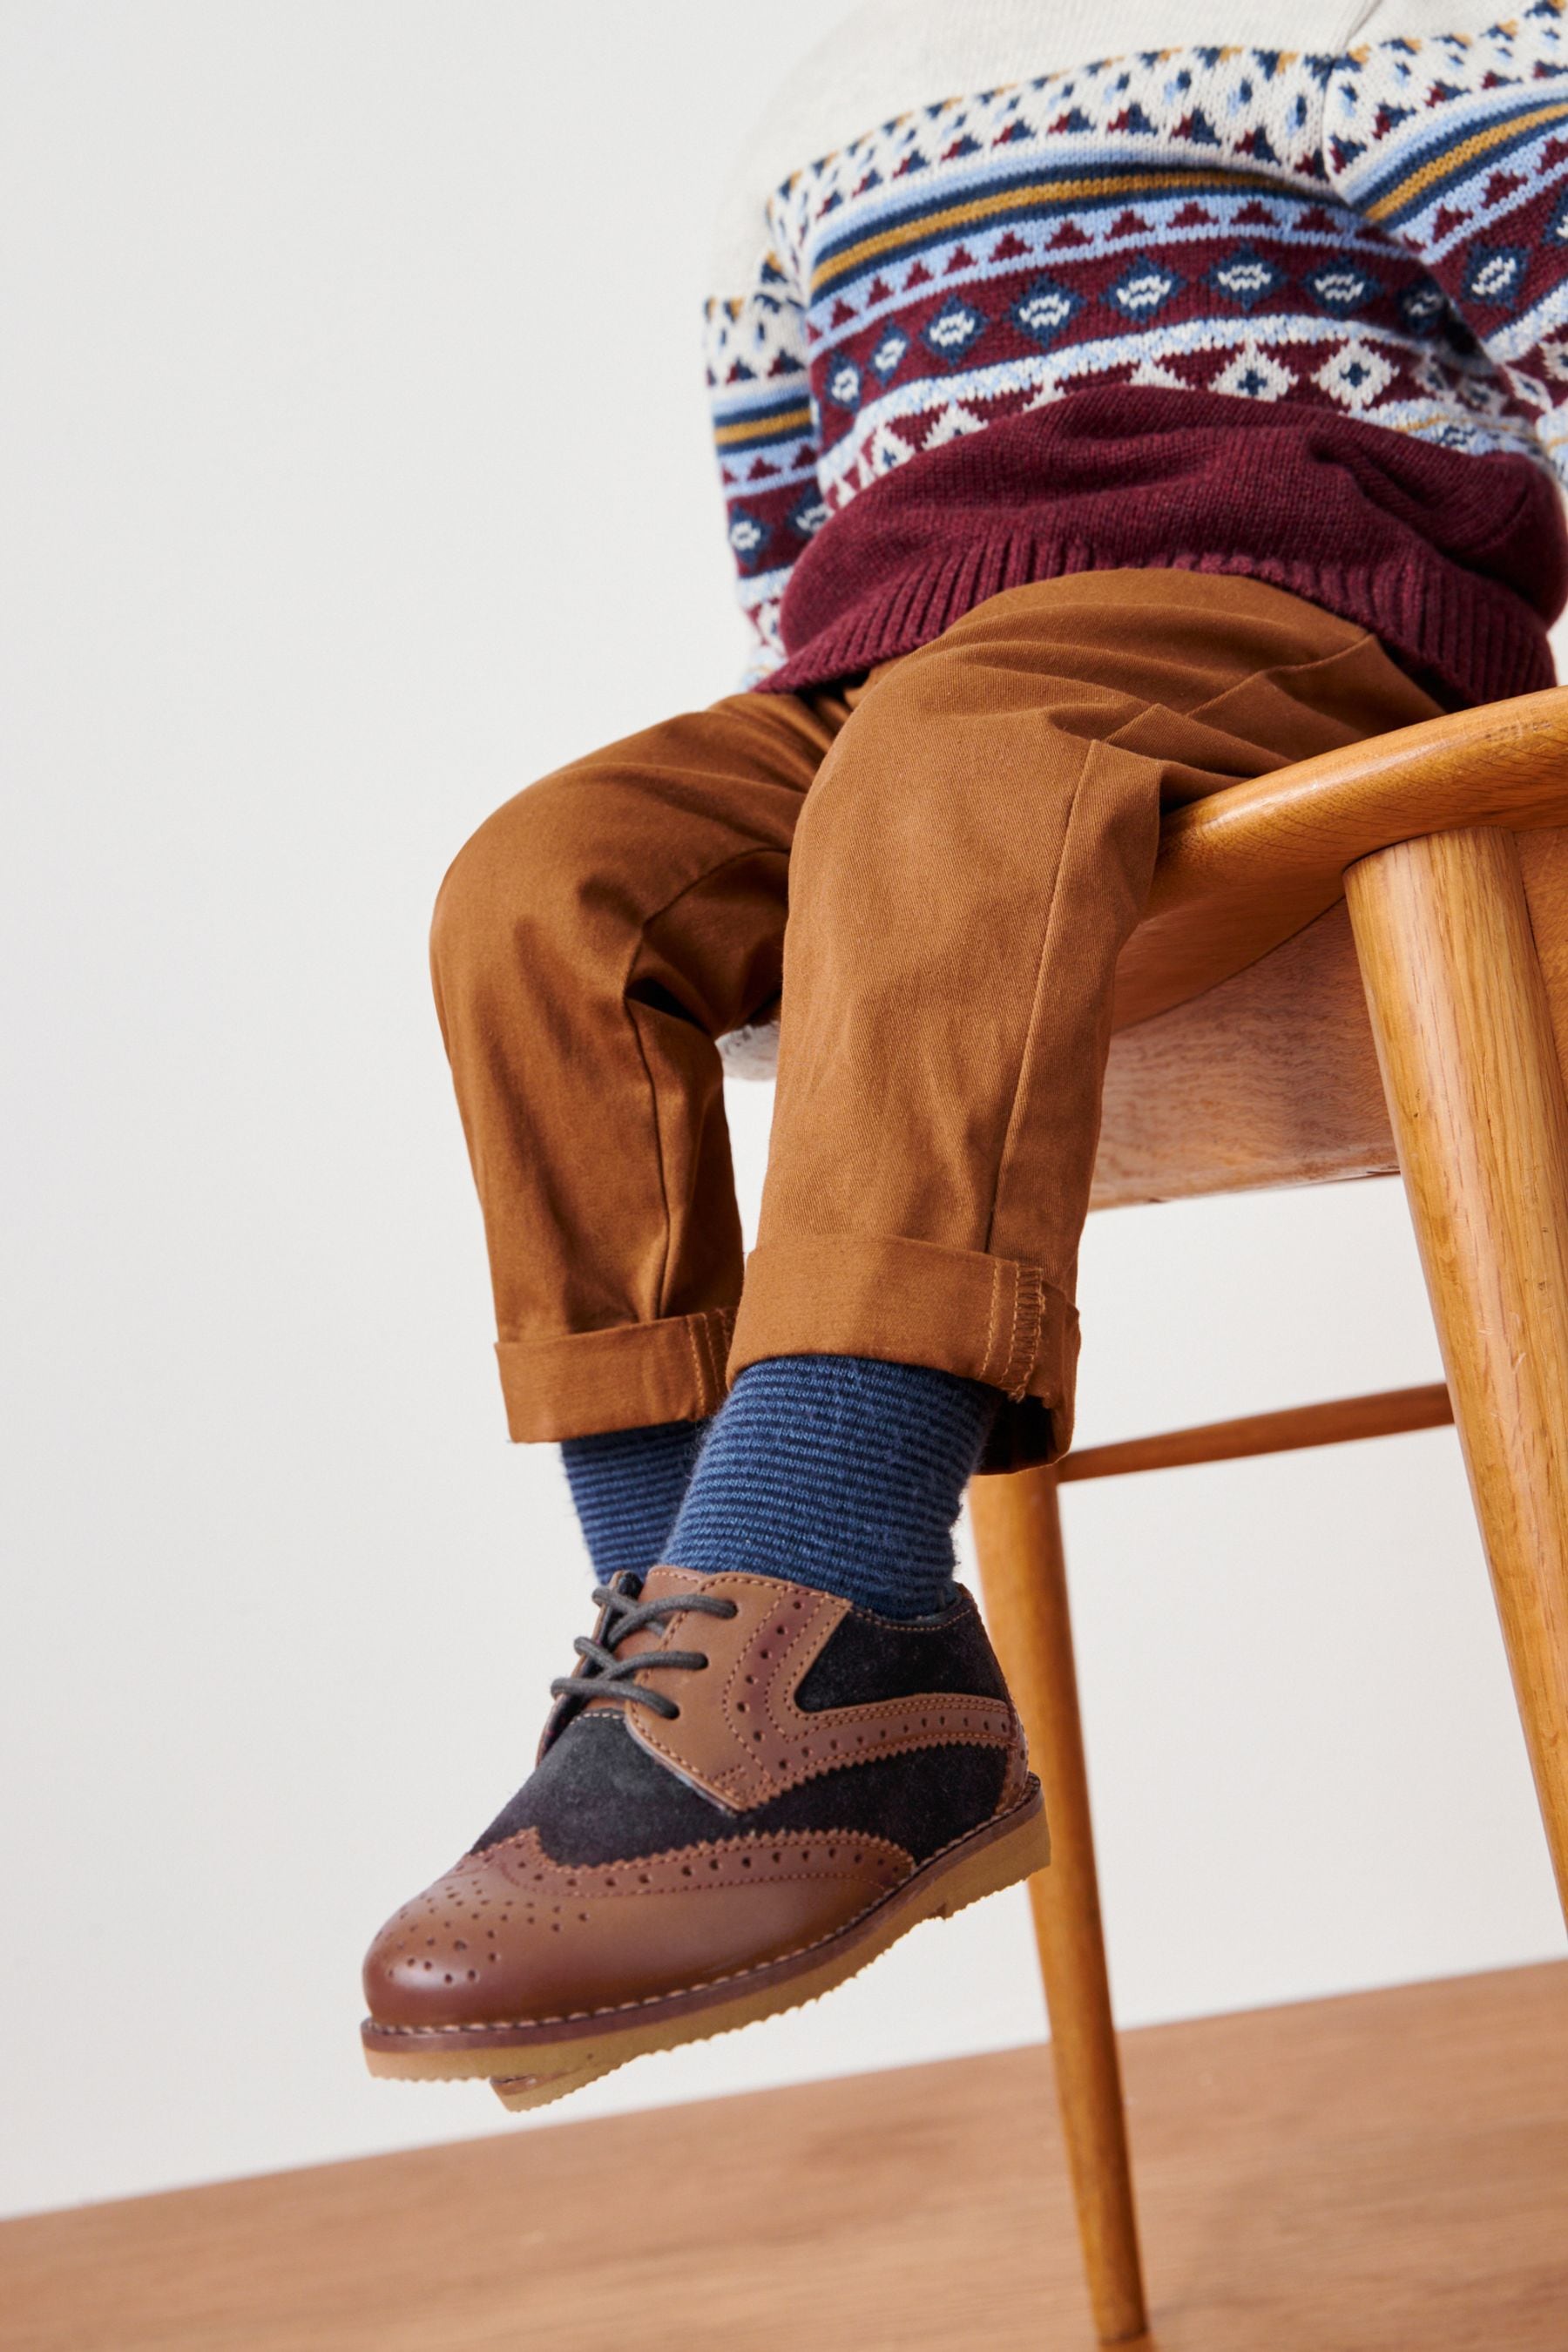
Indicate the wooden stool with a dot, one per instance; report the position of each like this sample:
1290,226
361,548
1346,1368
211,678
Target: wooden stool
1354,967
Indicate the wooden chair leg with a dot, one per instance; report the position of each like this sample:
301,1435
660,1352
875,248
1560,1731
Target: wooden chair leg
1476,1096
1017,1530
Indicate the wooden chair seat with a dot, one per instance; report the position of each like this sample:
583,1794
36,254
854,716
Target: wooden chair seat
1244,1052
1351,967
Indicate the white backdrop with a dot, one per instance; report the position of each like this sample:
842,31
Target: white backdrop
354,471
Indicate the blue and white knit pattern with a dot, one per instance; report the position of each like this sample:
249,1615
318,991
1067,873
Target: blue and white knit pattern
1459,150
1381,232
839,1472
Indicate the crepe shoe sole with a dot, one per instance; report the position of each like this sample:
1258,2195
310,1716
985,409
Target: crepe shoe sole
532,2065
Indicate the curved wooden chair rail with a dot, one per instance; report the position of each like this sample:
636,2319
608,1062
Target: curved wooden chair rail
1244,870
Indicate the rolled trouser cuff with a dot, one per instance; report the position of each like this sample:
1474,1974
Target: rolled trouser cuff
582,1384
907,1302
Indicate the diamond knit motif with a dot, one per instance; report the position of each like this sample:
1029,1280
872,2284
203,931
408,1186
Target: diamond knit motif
1355,376
1255,375
1341,289
1142,291
1046,310
954,331
1245,277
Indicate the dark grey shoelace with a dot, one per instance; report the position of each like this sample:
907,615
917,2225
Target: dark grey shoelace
621,1616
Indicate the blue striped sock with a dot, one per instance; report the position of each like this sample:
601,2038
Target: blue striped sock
627,1486
840,1472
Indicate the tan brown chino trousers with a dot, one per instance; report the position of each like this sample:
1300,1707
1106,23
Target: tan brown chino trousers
939,864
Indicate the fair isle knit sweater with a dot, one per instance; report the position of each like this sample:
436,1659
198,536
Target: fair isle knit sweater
995,306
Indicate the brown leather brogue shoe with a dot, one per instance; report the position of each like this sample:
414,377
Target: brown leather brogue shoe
745,1792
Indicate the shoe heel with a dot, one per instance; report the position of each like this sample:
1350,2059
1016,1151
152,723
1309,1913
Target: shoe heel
520,2093
1023,1850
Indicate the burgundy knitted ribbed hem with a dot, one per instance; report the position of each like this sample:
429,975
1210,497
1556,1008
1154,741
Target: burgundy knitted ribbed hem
1456,563
1463,646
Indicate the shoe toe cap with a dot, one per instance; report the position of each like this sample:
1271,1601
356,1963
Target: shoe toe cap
512,1937
441,1959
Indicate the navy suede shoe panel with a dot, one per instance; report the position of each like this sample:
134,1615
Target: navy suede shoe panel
598,1797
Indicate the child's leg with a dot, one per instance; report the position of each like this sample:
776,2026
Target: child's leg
589,943
758,1776
974,852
